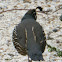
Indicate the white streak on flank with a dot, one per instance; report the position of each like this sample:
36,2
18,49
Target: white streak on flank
33,33
26,36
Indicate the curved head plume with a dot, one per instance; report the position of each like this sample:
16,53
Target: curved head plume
40,8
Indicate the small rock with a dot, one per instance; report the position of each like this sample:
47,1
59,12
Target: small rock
11,54
55,30
7,57
0,7
57,41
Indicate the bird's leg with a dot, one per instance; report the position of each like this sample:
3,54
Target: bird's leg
29,60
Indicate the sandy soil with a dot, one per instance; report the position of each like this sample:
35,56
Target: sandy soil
50,22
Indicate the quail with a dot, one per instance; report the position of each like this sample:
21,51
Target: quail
29,37
61,17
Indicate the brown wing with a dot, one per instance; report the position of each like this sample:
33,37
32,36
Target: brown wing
40,36
19,40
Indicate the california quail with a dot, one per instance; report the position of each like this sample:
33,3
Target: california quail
29,37
61,17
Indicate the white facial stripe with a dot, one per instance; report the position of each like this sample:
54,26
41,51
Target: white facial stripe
33,33
26,35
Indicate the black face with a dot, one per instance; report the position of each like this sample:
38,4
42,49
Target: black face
34,14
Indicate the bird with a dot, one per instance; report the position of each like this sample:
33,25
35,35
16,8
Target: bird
61,17
29,36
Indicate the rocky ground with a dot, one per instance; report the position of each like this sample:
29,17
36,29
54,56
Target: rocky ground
50,22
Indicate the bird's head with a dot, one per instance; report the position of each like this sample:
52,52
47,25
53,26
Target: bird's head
32,12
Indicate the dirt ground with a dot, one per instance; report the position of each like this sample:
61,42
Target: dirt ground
50,23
